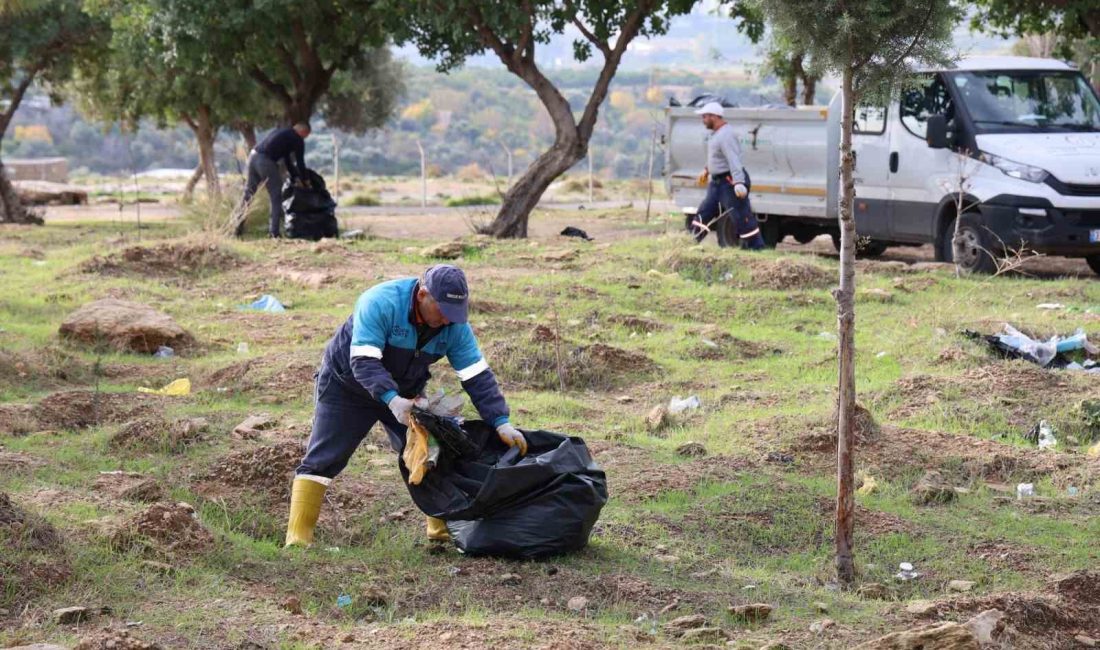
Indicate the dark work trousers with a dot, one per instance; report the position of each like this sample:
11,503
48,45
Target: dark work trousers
721,199
261,169
341,419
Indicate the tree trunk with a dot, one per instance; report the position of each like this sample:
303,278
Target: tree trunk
189,188
809,89
790,89
12,209
846,318
205,132
521,198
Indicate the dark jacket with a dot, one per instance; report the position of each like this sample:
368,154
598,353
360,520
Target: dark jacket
380,352
286,145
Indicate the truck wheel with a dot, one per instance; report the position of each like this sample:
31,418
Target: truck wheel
975,254
864,247
1094,263
770,230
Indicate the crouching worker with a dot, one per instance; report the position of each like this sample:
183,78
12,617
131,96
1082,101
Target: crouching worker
375,368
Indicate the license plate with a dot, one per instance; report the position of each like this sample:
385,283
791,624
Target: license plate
1094,236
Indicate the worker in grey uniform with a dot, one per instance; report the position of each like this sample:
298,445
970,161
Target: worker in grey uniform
728,187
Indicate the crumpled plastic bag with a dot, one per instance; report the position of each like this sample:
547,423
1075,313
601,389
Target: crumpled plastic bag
266,302
177,388
421,451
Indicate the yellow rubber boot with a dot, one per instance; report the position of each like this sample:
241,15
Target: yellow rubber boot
306,496
437,530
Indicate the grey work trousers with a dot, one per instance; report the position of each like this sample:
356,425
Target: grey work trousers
261,169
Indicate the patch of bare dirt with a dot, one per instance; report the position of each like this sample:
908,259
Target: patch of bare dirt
637,323
487,307
1046,619
46,367
267,468
787,274
171,528
616,360
715,345
17,461
164,260
79,409
635,476
33,560
17,419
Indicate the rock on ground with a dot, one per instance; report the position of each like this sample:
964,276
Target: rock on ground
677,626
931,488
124,325
941,636
753,612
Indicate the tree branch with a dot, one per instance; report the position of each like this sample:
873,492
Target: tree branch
630,29
290,63
525,48
601,44
16,99
189,121
916,39
305,50
270,86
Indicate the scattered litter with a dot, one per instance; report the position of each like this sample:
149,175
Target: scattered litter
164,352
343,600
1014,344
266,302
827,336
906,572
880,354
1094,450
779,457
1072,491
242,348
869,485
709,343
358,233
570,231
727,276
177,388
1042,434
1025,490
446,406
677,405
1050,305
332,549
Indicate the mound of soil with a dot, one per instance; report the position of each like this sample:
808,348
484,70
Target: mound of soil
79,409
129,486
47,365
163,260
268,469
789,274
17,419
532,361
110,639
125,326
33,559
636,323
167,527
698,264
151,434
822,435
715,345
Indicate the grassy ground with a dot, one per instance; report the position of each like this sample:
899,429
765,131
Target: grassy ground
750,521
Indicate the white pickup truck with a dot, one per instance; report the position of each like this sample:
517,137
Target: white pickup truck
1024,132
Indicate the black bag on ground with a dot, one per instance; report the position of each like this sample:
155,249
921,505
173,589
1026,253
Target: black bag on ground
309,212
496,502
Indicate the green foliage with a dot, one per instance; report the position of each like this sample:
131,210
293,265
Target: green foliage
41,43
1070,20
362,200
873,39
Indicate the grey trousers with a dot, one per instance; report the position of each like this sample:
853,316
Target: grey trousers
260,169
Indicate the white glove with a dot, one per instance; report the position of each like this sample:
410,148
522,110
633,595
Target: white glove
740,190
513,438
400,407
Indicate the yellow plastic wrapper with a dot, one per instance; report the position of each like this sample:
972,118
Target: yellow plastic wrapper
1094,450
177,388
703,178
869,485
420,453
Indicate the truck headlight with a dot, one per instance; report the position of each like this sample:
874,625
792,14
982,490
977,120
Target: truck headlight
1015,169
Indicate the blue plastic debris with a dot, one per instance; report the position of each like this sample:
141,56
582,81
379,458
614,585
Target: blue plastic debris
343,600
164,352
266,302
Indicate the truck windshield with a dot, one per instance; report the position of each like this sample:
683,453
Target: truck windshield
1028,101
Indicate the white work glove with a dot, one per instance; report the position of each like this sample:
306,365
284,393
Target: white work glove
512,437
401,407
740,190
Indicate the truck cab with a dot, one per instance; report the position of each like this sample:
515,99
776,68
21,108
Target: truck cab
1008,146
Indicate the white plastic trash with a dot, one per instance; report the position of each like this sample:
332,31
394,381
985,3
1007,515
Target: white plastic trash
1025,490
1046,435
677,405
242,348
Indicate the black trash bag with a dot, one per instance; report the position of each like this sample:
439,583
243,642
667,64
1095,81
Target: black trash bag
309,212
497,503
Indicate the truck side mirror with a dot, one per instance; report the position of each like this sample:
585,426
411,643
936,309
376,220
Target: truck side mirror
936,132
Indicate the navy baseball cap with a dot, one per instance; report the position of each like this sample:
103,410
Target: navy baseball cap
447,284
